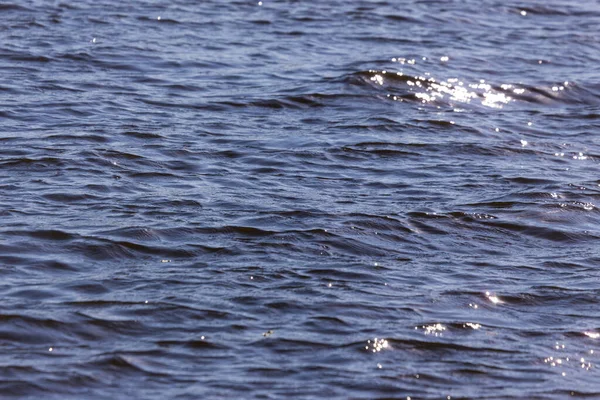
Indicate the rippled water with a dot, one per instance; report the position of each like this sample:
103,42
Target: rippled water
293,199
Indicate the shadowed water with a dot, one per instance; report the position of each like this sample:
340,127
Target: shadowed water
291,199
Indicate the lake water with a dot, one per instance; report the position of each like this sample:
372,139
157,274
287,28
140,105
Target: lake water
291,199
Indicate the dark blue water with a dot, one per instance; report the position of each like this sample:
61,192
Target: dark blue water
293,199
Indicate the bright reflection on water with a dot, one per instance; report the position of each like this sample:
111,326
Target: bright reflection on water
376,345
493,298
568,362
434,329
429,89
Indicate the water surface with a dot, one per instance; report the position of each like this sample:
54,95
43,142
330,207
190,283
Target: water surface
292,199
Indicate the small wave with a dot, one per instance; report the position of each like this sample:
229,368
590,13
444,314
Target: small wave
13,7
454,92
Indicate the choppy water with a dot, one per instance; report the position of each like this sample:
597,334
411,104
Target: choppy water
293,199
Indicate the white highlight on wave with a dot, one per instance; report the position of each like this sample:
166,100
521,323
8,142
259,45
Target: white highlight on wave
428,89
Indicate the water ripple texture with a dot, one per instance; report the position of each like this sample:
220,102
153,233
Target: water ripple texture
290,199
